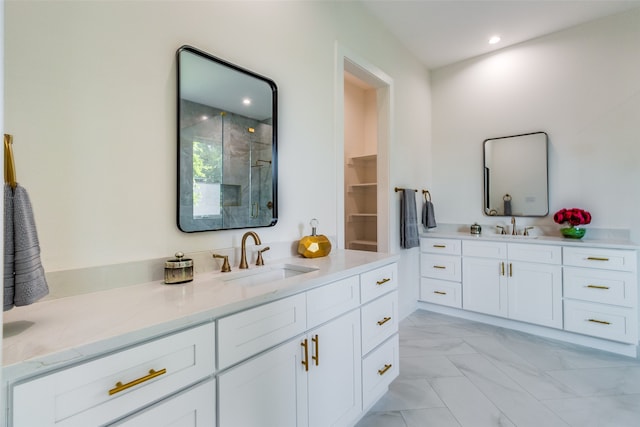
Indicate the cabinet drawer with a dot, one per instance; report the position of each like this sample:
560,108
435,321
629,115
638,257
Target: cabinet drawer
92,393
600,320
608,287
379,321
249,332
326,302
440,246
610,259
193,407
379,369
484,249
378,282
441,292
535,253
445,267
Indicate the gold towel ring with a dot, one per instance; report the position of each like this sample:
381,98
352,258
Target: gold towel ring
427,195
9,164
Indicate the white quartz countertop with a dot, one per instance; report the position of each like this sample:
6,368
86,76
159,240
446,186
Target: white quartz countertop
540,240
59,332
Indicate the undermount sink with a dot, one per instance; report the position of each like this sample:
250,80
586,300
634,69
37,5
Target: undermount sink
265,274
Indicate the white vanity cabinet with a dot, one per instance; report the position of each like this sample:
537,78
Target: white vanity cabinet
114,386
519,281
600,293
441,271
313,379
380,345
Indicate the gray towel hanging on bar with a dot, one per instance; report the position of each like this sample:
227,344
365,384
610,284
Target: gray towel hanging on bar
409,237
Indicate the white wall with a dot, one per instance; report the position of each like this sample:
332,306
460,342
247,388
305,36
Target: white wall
90,98
581,86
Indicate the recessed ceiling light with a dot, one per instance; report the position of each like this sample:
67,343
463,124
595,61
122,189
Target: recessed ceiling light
246,101
494,39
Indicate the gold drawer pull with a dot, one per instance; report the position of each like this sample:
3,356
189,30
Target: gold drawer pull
383,281
595,258
440,246
597,287
305,359
439,292
602,322
383,321
384,370
442,267
316,341
502,268
121,387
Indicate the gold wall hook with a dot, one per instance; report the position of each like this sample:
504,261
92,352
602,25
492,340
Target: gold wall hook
9,164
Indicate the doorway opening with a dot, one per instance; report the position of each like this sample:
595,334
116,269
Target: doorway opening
364,118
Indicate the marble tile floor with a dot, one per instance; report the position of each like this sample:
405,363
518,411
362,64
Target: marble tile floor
455,372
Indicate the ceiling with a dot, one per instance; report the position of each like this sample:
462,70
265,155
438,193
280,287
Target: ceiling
441,32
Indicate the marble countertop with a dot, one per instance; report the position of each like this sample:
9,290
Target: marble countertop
56,333
540,239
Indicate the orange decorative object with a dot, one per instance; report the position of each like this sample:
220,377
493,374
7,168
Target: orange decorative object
316,245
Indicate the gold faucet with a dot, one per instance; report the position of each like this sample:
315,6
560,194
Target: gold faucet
243,254
513,225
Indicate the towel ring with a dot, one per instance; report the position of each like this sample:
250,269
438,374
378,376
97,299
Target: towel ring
507,198
427,195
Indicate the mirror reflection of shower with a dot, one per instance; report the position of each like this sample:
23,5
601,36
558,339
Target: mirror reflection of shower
260,178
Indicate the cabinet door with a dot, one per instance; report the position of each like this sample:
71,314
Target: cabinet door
484,286
535,293
268,390
192,408
335,377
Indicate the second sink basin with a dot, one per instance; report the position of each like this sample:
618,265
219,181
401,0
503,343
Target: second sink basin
264,274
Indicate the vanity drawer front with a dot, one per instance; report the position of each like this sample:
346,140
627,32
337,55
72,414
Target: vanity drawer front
93,393
546,254
378,282
192,407
440,246
329,301
379,321
441,292
600,320
610,259
484,249
602,286
244,334
444,267
379,369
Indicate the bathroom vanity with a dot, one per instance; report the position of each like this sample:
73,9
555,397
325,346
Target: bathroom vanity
314,349
581,291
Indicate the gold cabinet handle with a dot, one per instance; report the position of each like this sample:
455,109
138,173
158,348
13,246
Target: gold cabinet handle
305,358
510,270
442,267
121,387
439,292
383,321
597,287
382,282
595,258
384,370
502,268
316,341
440,246
602,322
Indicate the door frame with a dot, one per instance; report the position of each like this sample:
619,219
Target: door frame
346,60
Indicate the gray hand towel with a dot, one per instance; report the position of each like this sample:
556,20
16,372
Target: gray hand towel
8,248
409,237
29,282
428,215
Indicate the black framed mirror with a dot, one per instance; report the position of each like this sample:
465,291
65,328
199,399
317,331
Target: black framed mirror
516,176
227,145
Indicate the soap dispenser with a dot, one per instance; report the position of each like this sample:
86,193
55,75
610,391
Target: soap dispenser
316,245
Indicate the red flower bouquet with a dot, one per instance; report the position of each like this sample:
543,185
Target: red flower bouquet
574,217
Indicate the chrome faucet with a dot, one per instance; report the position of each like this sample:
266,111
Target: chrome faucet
513,225
243,254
